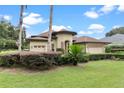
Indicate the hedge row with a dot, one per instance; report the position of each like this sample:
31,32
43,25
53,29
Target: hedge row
44,61
31,60
106,56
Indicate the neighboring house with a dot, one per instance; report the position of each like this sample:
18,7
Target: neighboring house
115,39
92,45
61,41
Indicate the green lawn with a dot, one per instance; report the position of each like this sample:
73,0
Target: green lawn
92,74
7,52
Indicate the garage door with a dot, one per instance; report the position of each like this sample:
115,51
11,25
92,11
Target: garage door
95,50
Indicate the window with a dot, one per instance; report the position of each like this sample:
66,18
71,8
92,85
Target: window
39,46
35,46
43,46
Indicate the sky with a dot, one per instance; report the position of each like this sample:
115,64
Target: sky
87,20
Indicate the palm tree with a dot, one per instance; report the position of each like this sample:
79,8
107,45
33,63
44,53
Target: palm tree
20,25
50,28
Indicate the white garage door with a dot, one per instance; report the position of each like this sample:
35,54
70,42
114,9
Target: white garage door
95,50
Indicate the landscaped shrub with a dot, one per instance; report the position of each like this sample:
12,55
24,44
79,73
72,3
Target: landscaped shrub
74,56
31,60
85,58
106,56
9,60
40,60
108,49
112,48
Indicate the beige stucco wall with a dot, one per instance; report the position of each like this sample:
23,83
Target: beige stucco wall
63,38
38,43
95,48
54,41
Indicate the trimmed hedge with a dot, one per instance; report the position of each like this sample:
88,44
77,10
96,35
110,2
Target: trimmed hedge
31,60
65,59
106,56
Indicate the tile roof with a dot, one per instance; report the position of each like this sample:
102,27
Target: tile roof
86,39
45,34
118,38
37,38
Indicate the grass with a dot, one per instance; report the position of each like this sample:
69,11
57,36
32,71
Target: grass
104,74
7,52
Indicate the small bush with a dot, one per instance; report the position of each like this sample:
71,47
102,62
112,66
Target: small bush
85,58
108,49
74,56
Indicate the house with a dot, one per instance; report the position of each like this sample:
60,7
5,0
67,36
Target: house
116,42
61,41
114,39
92,45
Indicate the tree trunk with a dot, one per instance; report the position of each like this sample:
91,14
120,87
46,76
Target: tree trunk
20,25
50,29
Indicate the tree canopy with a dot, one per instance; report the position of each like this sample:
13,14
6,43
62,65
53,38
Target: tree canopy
114,31
9,35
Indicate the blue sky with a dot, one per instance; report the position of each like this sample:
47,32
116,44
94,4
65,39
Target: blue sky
86,20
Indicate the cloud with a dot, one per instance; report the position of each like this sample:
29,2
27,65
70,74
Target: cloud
96,27
92,29
59,27
107,9
25,14
28,34
33,19
85,32
116,26
121,8
69,27
26,26
6,17
91,14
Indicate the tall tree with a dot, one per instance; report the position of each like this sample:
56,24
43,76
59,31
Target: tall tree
114,31
20,26
50,28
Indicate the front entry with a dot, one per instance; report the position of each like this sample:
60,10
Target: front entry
66,46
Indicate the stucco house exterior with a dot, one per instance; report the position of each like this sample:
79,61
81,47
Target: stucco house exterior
62,39
92,45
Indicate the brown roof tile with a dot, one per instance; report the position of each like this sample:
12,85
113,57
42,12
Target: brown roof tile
45,34
86,39
37,38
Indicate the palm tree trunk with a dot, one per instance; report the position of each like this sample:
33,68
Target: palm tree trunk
20,25
50,29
